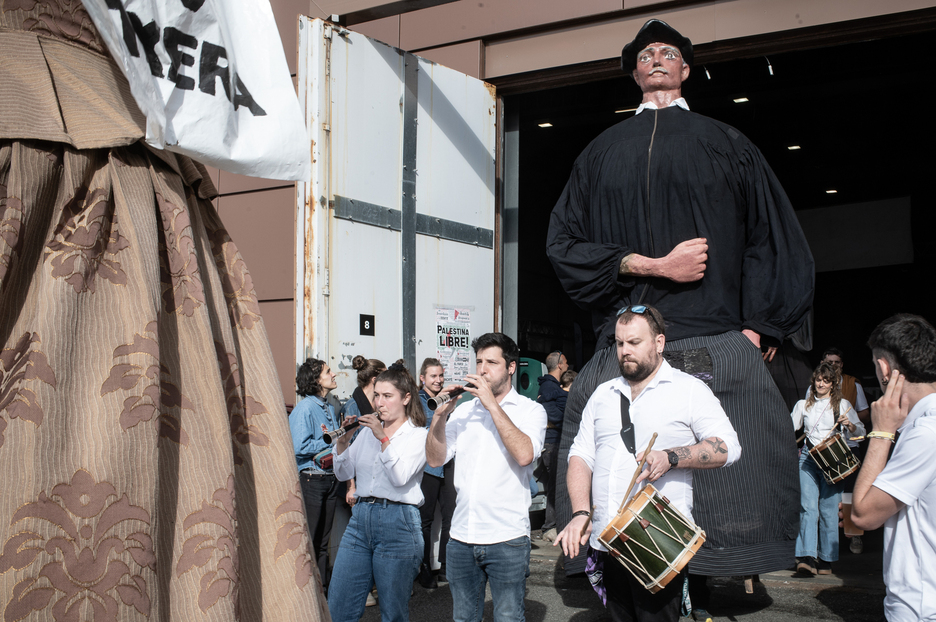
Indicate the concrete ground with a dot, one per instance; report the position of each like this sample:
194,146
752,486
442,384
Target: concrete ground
854,592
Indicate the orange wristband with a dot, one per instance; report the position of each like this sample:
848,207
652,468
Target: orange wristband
385,439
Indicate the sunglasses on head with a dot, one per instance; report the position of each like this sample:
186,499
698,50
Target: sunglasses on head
639,309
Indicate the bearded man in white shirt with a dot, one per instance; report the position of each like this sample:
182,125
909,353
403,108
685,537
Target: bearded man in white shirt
899,492
649,397
497,437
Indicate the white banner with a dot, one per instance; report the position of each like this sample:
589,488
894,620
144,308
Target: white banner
212,80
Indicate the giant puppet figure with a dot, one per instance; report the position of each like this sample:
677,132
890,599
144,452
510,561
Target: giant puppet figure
676,210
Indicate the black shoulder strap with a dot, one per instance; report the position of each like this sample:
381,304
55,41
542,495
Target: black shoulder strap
362,403
627,428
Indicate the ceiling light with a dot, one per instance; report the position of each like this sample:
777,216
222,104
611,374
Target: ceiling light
794,147
741,100
625,110
831,191
547,124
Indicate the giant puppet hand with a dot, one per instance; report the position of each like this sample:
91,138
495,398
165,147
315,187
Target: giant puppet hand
684,264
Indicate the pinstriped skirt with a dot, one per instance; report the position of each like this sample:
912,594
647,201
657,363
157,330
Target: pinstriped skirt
750,510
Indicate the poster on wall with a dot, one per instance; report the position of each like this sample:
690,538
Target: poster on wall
453,342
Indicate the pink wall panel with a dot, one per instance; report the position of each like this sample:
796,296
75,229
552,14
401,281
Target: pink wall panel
463,57
386,30
470,19
262,226
286,13
232,182
215,175
278,317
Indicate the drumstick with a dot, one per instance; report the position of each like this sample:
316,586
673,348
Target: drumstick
800,439
637,472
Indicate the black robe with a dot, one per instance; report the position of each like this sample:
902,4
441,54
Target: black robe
644,186
705,179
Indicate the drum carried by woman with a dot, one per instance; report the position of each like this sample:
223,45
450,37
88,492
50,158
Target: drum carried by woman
824,462
383,542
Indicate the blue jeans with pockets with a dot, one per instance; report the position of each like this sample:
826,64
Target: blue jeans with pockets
383,544
470,566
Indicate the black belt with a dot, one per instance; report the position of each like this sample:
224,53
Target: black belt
380,501
310,473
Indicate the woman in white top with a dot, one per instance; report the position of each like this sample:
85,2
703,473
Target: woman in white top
824,409
383,542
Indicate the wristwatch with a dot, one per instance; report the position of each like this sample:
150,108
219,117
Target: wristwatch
673,459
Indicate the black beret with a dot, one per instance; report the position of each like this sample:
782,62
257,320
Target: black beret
651,32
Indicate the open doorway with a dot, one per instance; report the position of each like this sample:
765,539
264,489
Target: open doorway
860,116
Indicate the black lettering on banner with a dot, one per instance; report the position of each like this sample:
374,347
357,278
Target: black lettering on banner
242,97
149,37
172,39
209,69
132,27
126,26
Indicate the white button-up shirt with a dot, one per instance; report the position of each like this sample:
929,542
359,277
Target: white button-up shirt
493,503
681,409
395,473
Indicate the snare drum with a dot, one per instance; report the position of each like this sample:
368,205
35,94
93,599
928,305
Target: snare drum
652,539
834,458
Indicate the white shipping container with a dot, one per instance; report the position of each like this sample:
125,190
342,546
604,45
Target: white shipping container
398,219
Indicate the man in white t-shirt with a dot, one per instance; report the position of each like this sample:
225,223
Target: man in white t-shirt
693,432
900,492
497,437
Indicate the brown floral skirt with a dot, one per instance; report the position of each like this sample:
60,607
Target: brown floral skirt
145,458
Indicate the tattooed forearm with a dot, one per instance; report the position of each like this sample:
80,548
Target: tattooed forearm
718,445
706,454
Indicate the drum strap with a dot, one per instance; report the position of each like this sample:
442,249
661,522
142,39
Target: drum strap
627,428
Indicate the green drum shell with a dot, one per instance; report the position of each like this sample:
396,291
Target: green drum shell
662,549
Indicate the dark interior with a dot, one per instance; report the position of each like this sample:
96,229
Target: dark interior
860,113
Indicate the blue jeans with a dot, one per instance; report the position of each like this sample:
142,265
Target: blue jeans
383,544
818,508
468,568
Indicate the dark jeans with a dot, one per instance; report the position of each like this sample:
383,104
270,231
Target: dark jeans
630,601
320,493
441,490
550,462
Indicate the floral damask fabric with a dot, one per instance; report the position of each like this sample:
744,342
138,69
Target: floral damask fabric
145,453
147,467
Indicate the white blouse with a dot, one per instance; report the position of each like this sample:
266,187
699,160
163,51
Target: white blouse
819,420
395,473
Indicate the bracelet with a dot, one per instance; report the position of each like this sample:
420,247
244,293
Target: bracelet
886,435
581,513
385,439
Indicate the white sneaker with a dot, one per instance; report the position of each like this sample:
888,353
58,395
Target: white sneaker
371,599
550,536
856,546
